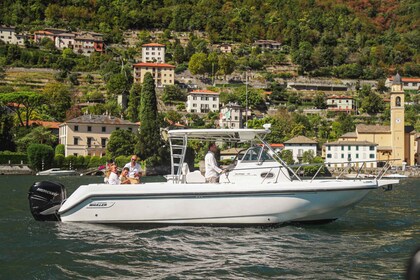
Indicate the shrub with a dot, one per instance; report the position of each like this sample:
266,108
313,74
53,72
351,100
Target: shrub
14,158
40,156
95,161
70,161
59,160
59,149
122,160
80,161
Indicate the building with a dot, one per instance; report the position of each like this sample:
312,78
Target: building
52,126
49,33
268,44
339,153
64,40
202,101
231,116
164,74
87,43
397,141
225,48
88,135
316,86
9,35
153,52
300,144
408,83
341,104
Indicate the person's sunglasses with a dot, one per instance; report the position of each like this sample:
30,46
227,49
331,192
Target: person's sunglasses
133,159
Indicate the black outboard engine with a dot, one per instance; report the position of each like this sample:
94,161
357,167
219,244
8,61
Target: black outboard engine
45,198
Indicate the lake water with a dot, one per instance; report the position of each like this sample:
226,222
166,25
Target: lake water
373,241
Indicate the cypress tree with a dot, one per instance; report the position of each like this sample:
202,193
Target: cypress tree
149,137
134,103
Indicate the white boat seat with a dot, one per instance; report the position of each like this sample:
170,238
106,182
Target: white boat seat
195,177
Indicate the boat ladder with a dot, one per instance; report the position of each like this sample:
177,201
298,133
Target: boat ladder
178,149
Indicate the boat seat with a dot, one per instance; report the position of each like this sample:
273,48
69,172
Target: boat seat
194,177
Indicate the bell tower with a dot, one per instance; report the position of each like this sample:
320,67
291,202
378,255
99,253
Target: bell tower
397,120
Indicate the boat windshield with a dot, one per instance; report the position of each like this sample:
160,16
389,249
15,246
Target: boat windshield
253,154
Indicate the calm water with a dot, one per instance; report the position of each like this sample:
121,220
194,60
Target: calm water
373,241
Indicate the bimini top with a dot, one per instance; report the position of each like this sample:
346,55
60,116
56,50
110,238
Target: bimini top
227,135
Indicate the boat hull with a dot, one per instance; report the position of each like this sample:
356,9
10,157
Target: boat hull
213,204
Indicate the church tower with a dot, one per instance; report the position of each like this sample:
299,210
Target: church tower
397,120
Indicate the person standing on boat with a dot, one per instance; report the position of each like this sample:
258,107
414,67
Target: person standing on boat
212,170
113,176
135,170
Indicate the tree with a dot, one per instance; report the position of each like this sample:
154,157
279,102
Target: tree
308,156
23,103
371,103
287,156
121,143
118,84
40,156
303,55
198,64
134,102
320,101
172,93
149,137
59,149
38,135
6,136
59,100
226,64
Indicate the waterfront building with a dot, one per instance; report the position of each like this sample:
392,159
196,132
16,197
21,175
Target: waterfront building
202,101
412,83
88,135
339,153
300,144
396,141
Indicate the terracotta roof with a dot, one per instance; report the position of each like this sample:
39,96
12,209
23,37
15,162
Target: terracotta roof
151,64
407,80
44,124
99,119
351,143
365,128
300,140
203,91
153,45
267,92
349,135
384,148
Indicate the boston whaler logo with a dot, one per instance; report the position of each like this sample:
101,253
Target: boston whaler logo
100,204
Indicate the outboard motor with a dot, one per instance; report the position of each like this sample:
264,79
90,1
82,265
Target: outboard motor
45,198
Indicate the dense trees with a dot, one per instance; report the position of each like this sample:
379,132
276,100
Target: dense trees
121,143
59,100
23,104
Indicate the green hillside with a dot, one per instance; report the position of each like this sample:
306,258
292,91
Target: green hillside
332,37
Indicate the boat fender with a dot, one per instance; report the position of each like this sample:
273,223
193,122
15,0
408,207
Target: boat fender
45,198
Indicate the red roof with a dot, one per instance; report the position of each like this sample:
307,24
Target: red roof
45,124
15,105
203,91
43,32
153,45
407,80
267,92
151,64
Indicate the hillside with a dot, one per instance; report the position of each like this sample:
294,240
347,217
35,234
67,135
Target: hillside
324,36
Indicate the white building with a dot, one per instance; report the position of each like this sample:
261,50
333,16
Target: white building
153,52
231,116
300,144
268,44
408,83
340,103
9,36
339,153
64,40
202,101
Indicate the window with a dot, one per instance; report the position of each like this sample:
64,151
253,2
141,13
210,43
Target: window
117,128
103,142
357,148
342,148
76,128
329,155
371,148
89,142
398,101
329,148
349,148
372,156
75,141
214,106
194,97
75,154
194,105
130,129
342,155
104,129
214,99
357,155
89,128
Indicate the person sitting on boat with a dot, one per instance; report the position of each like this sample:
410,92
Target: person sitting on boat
135,170
113,176
124,176
212,170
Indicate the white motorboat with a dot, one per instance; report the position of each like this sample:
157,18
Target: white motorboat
57,172
258,189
